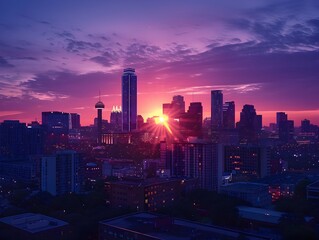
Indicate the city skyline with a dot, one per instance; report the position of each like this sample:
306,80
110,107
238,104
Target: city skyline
262,53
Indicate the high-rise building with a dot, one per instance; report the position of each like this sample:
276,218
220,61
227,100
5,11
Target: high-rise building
56,122
305,126
99,106
217,109
13,140
285,127
249,124
176,108
129,100
280,117
75,121
140,122
198,159
116,119
229,115
60,173
191,122
250,161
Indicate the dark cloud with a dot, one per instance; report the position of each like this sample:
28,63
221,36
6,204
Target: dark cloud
4,63
69,84
77,46
66,35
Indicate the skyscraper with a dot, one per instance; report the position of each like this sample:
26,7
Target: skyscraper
229,115
99,106
129,99
217,109
176,108
248,123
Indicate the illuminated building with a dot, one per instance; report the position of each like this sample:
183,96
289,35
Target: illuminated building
129,100
116,119
248,162
148,194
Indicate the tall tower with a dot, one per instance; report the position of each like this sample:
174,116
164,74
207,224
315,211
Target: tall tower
217,109
229,115
99,106
129,99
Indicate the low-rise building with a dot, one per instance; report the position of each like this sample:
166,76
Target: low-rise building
33,226
148,194
255,193
148,226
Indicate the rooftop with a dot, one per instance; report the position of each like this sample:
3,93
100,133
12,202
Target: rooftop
244,187
167,228
33,223
314,185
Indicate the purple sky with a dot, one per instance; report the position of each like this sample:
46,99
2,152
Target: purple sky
57,55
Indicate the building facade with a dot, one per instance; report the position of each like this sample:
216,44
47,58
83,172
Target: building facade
129,100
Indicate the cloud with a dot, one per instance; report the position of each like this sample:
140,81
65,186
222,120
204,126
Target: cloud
4,63
202,90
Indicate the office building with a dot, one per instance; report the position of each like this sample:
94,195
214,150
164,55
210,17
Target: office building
285,127
13,140
197,159
56,122
116,119
147,194
229,115
176,108
249,124
75,121
129,100
191,122
247,161
61,173
217,109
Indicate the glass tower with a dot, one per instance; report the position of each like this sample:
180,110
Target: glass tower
129,100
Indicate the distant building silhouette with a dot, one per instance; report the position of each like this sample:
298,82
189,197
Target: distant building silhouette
56,122
75,121
129,99
249,125
13,140
229,115
285,127
140,122
217,109
176,108
191,122
99,106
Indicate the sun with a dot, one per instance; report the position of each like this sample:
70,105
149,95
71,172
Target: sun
161,120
